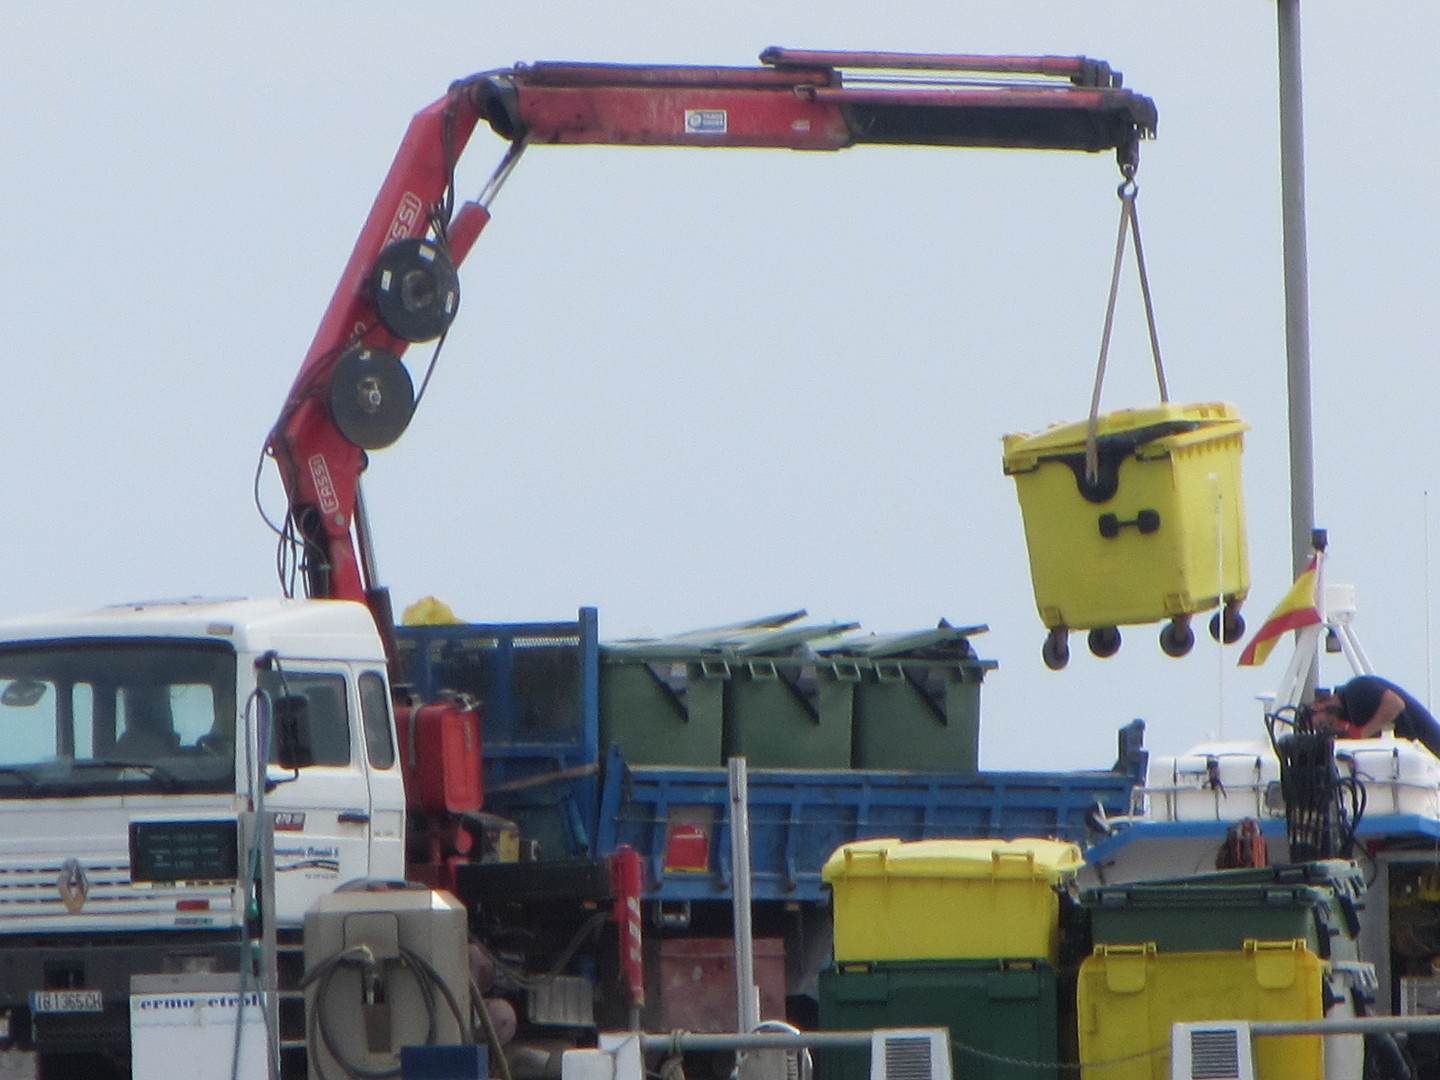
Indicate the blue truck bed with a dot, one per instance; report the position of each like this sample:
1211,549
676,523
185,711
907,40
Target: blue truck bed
799,817
546,769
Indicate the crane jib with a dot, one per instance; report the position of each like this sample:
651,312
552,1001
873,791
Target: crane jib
351,393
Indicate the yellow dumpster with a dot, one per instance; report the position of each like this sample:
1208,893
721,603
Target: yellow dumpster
949,899
1129,996
1158,533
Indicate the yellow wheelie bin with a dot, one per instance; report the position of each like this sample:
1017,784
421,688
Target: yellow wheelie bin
1158,532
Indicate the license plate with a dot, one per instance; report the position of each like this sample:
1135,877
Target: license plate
53,1001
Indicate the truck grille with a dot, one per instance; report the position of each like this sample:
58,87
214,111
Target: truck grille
32,891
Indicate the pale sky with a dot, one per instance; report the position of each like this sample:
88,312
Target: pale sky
694,387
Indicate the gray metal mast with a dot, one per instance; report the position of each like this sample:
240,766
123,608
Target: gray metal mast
1297,286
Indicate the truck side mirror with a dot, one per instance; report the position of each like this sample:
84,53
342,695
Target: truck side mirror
22,693
292,748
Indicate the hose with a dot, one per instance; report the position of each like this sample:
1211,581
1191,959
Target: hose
1313,795
492,1037
322,976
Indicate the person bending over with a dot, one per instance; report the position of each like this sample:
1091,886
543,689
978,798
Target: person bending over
1368,705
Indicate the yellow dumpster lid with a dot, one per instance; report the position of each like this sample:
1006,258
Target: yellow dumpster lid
1152,422
1037,859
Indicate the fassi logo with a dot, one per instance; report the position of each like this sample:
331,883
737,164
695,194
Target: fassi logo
324,486
407,216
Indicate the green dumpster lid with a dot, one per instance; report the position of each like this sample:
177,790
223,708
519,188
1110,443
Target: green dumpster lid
771,635
945,642
1185,897
776,637
1345,874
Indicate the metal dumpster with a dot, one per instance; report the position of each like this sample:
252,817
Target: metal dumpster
949,899
916,698
752,690
1002,1014
1158,533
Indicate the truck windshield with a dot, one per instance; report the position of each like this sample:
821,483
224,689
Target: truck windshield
92,717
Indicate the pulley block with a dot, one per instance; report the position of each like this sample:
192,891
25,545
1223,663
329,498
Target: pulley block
417,291
371,397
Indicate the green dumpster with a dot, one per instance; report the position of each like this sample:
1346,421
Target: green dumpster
747,690
917,699
1002,1014
1315,902
788,712
662,709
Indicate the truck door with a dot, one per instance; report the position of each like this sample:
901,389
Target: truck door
387,786
317,789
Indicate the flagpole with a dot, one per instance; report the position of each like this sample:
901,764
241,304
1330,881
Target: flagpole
1301,610
1319,541
1220,599
1429,652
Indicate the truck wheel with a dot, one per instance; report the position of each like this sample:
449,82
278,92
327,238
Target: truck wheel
1104,641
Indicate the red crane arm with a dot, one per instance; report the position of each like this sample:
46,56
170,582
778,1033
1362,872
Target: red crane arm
799,102
351,392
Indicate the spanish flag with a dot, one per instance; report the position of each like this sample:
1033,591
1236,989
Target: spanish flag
1296,610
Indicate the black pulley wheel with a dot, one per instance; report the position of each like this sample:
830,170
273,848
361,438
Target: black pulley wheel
371,397
417,291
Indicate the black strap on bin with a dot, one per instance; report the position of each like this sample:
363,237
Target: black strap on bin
1109,451
1129,222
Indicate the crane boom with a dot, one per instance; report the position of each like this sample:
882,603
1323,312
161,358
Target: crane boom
352,394
799,102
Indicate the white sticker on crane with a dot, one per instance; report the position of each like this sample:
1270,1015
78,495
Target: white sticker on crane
706,121
324,486
408,216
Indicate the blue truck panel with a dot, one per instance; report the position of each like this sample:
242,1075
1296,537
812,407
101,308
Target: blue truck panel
677,818
545,769
537,684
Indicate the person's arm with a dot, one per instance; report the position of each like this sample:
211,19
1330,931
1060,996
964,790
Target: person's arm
1391,705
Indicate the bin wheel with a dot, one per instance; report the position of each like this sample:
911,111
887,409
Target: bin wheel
1104,641
1177,639
1056,650
1227,626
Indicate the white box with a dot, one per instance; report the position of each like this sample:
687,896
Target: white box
1213,782
1419,995
179,1021
408,936
1400,776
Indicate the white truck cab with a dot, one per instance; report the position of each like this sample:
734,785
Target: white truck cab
131,743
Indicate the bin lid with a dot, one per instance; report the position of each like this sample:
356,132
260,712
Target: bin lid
783,637
945,642
1342,875
1269,897
1136,427
772,635
1024,859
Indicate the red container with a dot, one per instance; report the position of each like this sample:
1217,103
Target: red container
440,756
692,983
